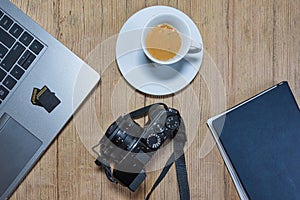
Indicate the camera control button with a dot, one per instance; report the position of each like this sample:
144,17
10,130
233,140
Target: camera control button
172,122
153,141
158,127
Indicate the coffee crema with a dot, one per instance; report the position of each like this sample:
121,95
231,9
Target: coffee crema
163,42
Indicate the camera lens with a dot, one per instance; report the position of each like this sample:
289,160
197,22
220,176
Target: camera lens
119,137
110,131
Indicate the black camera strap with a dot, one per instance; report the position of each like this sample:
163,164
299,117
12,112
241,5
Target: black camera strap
178,158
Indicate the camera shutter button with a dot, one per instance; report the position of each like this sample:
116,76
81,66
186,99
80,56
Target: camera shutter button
158,127
153,141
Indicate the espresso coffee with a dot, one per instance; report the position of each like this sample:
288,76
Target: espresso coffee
163,42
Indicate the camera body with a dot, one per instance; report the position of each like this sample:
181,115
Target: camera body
128,147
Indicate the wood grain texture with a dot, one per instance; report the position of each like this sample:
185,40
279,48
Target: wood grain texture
249,46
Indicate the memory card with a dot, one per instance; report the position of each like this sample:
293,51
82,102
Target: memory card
47,99
34,101
41,91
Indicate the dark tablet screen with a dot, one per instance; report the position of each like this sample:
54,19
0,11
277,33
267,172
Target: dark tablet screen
262,141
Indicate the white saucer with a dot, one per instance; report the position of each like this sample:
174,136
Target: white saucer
140,72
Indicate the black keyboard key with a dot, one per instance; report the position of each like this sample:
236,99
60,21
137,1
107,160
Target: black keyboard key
6,39
29,60
24,58
26,38
6,22
9,82
2,74
36,47
16,30
1,13
17,72
3,51
3,92
13,55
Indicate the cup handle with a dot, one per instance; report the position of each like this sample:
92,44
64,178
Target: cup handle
195,47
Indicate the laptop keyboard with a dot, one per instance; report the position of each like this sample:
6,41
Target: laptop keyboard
18,50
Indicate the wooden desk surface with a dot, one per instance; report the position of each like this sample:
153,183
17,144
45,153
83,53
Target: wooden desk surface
250,45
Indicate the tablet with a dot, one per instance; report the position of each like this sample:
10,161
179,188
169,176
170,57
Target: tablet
259,142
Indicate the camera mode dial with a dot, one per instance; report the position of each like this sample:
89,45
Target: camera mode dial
154,141
172,122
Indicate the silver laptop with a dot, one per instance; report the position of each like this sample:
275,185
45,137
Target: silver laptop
42,83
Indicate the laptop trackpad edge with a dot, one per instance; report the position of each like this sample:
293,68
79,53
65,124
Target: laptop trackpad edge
17,147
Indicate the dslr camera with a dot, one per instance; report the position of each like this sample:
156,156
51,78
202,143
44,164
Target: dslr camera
127,147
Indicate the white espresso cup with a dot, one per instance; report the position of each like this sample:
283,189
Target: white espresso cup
182,28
